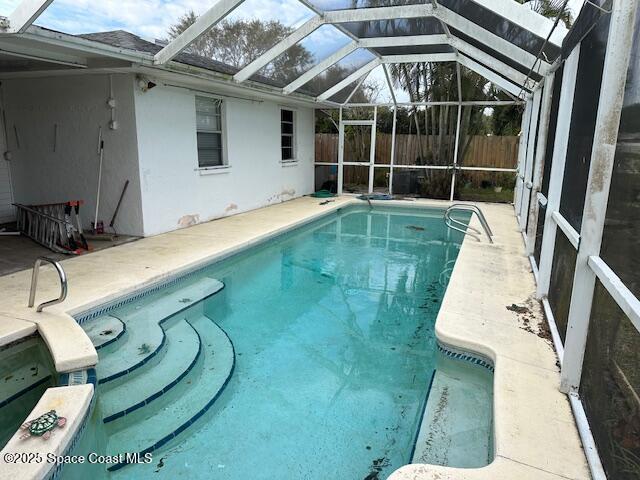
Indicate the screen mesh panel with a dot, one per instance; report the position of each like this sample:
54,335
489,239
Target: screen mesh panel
397,27
561,283
622,225
610,387
551,134
327,5
539,233
495,54
413,49
422,182
583,122
501,27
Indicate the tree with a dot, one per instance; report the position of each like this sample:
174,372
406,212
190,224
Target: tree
239,42
552,9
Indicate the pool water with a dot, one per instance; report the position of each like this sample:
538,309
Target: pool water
315,358
26,371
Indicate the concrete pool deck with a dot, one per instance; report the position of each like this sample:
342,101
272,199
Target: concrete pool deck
535,435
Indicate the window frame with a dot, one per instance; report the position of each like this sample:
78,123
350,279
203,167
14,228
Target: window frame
224,166
293,135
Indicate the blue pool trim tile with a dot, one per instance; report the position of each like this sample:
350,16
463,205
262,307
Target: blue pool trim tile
161,392
27,389
117,337
136,295
473,358
135,366
456,354
162,343
192,420
89,375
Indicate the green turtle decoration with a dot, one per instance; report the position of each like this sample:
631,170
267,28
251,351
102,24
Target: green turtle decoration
42,426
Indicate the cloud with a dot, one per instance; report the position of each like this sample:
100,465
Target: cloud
151,18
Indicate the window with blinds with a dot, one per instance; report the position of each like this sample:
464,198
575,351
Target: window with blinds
287,135
209,131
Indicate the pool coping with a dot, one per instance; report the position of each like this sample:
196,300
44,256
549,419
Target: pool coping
254,227
534,434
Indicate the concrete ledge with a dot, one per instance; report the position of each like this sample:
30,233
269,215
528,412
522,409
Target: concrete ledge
535,436
12,329
70,347
69,402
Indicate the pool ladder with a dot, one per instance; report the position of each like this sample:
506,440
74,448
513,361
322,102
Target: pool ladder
34,283
457,224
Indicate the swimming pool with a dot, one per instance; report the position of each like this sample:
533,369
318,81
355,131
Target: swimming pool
310,356
26,371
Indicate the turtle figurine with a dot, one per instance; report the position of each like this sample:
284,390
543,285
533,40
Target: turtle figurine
42,426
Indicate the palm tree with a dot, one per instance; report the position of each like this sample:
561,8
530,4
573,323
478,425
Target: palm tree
552,9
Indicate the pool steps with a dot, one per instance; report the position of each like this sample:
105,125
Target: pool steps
143,389
456,427
106,331
150,395
145,336
163,425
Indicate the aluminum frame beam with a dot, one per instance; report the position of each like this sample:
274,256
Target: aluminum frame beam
490,39
420,58
430,57
409,40
523,16
320,67
350,79
205,21
443,14
379,13
541,150
25,14
297,35
510,73
490,75
469,50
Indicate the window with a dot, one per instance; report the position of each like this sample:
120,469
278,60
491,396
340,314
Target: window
288,135
209,130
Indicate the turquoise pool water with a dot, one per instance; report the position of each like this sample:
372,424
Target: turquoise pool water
26,371
313,362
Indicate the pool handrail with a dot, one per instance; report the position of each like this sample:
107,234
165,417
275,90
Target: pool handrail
34,283
452,222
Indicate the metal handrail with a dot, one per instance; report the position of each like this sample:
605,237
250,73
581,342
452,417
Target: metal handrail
34,283
452,222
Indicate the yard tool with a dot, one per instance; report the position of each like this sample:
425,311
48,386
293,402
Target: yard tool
101,153
115,213
76,207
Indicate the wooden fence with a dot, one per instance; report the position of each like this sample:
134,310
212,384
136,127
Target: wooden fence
483,151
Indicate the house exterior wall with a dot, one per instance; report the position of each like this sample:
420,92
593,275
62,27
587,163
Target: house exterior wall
50,168
7,211
176,193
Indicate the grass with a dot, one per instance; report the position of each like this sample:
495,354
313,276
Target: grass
485,195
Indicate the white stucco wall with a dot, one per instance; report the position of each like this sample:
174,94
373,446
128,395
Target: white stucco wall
78,106
173,189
